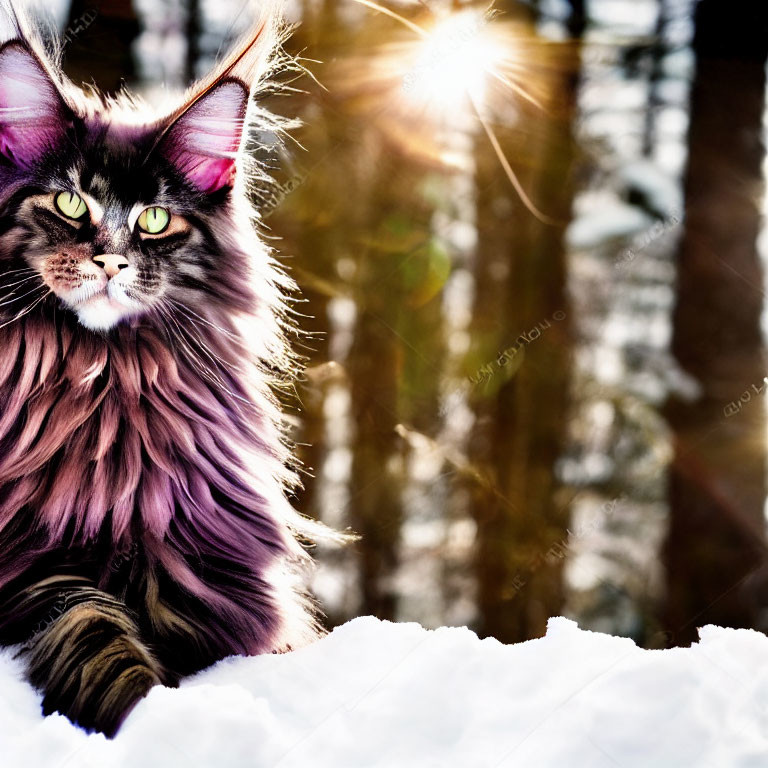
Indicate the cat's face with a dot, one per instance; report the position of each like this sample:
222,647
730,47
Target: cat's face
117,221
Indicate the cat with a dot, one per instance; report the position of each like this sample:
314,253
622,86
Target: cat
145,526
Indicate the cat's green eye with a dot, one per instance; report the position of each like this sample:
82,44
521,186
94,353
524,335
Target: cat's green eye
71,205
154,220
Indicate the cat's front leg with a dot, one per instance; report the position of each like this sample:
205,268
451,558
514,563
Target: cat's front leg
84,654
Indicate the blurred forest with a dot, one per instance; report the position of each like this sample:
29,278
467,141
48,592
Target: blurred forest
524,410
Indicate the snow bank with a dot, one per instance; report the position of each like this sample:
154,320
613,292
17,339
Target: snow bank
379,694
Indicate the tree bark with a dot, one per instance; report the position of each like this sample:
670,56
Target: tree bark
522,425
717,482
98,43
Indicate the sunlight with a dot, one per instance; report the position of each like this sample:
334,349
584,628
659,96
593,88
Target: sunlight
447,73
453,64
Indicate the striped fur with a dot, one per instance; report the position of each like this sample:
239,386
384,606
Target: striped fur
145,530
96,689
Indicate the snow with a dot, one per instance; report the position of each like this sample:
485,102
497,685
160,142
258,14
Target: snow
614,219
660,190
375,694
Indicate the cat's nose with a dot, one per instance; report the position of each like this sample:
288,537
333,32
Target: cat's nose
111,263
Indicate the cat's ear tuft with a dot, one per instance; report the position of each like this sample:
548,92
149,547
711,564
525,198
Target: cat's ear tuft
33,115
203,142
203,138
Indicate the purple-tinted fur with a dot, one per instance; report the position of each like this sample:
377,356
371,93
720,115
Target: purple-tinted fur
122,433
143,471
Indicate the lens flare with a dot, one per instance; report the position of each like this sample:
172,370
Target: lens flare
453,63
460,70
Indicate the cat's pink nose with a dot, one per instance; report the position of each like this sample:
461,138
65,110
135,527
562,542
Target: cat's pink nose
111,263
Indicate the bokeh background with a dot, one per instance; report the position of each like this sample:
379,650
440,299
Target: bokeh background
530,243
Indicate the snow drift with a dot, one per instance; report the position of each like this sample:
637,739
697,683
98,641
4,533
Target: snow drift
396,695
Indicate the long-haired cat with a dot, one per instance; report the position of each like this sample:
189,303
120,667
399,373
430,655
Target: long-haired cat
144,526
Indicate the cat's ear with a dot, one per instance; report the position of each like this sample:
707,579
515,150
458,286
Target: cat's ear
33,115
203,138
203,142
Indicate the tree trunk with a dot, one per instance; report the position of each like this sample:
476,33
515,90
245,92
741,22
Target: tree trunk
98,43
717,482
522,426
193,39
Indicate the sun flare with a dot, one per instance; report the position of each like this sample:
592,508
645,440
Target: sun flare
465,68
453,63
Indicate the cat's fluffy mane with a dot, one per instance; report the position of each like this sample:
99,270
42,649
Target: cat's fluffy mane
163,450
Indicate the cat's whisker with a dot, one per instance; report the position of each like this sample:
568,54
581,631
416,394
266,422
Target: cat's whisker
42,298
20,269
218,362
21,277
188,310
19,298
182,336
167,312
214,380
28,309
22,281
185,310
